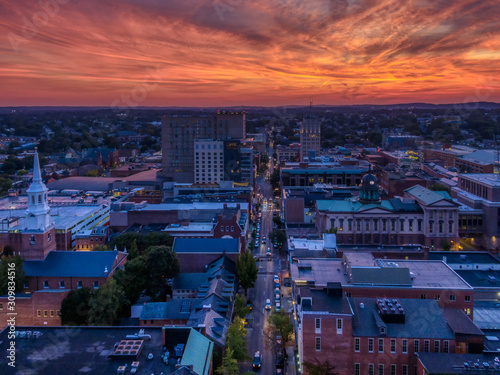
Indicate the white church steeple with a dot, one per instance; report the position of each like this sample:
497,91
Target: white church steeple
38,212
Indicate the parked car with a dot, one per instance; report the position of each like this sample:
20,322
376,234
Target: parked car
257,360
268,251
268,304
276,279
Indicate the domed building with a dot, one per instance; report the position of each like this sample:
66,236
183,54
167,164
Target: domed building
369,190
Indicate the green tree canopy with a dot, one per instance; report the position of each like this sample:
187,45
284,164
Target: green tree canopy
126,240
240,307
281,323
235,339
75,307
106,303
320,368
229,365
162,264
278,236
247,270
133,278
11,269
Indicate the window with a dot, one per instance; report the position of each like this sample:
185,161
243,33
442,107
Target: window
393,225
318,325
415,368
393,369
380,345
370,345
51,313
393,345
452,298
467,298
357,369
44,313
380,369
61,284
1,305
405,346
375,224
410,223
222,228
437,297
450,226
402,223
371,369
39,313
419,225
227,228
79,284
339,326
446,346
417,346
318,344
436,346
96,284
423,296
405,369
427,345
356,344
45,284
341,224
26,285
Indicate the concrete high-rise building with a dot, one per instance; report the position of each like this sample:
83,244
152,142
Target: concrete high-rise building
179,134
208,161
310,137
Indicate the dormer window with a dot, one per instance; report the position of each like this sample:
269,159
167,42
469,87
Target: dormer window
32,240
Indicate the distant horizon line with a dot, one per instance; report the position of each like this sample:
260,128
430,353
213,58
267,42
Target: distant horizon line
473,103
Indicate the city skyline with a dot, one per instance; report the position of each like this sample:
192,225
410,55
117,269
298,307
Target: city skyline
228,53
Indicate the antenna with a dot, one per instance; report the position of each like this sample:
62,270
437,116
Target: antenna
310,102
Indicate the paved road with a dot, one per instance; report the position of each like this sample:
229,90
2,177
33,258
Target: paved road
264,289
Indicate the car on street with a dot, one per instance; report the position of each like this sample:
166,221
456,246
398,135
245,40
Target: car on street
264,239
249,304
268,304
276,279
257,360
268,252
256,244
278,305
277,285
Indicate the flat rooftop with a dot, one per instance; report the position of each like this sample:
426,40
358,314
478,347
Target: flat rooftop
425,273
300,243
192,206
489,179
464,257
359,259
191,227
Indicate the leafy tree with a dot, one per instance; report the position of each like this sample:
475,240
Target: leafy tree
6,275
277,220
92,173
8,251
281,323
134,251
446,245
440,187
101,248
229,365
143,241
318,368
247,270
235,339
75,307
5,184
278,236
332,230
162,264
133,279
106,303
275,179
240,307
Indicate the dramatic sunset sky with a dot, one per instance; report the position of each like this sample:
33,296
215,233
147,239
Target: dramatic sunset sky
250,52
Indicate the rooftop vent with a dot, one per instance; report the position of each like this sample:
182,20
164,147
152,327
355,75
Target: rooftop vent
391,310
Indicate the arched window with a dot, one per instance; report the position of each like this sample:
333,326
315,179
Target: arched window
32,199
39,199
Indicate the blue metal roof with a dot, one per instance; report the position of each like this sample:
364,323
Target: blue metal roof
72,264
206,245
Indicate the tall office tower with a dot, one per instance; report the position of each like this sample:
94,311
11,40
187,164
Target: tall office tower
179,134
247,164
232,160
208,161
310,137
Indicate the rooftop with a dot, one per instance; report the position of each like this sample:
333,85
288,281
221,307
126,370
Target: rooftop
427,196
489,179
73,264
206,245
464,257
446,363
481,279
423,319
322,301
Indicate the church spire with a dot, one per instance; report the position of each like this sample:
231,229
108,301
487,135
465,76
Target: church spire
38,212
37,175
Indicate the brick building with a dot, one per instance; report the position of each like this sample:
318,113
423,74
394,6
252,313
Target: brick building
89,239
368,335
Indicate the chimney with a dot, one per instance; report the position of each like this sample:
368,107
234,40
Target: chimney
207,307
203,328
225,205
105,270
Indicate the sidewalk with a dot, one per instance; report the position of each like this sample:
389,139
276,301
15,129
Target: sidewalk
290,362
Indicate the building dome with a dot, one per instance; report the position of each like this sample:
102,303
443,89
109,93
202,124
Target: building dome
369,191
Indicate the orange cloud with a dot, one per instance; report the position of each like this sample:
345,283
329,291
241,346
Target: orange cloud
266,52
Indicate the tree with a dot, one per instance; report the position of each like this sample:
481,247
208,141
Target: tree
8,251
275,179
240,307
235,339
229,365
332,230
142,241
277,221
440,187
75,307
134,250
318,368
106,303
281,323
100,248
247,270
11,270
446,245
162,264
133,279
278,237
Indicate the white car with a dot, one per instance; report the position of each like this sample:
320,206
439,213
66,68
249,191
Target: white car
276,279
268,304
